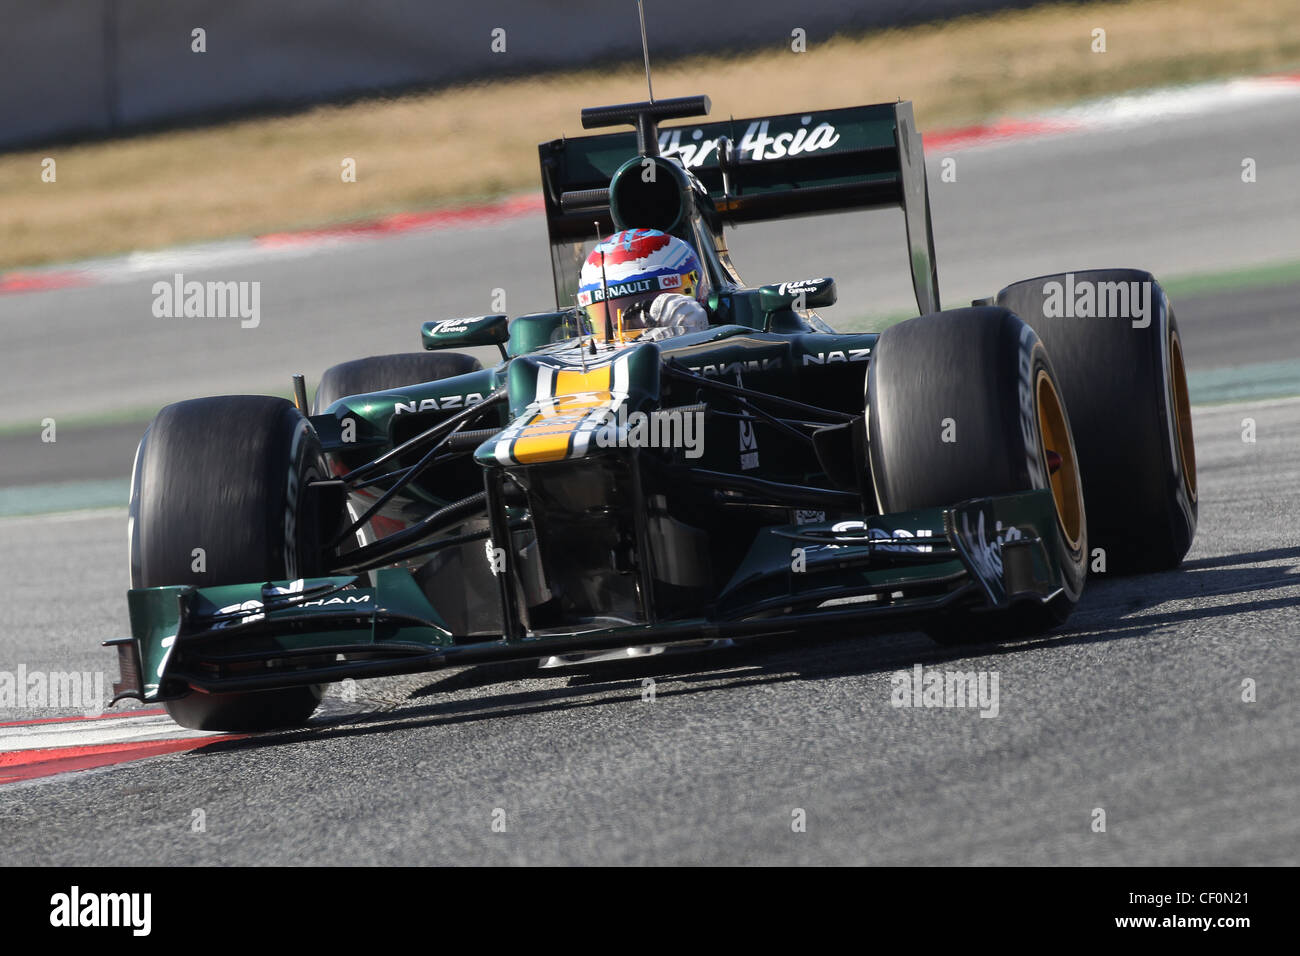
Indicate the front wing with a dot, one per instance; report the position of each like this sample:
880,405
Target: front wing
839,577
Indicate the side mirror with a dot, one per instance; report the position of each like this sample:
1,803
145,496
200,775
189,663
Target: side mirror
806,294
528,333
463,333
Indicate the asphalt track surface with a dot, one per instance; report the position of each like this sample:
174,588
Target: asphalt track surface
1134,707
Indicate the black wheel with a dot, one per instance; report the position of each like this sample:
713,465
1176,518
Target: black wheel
1124,381
380,372
227,475
964,404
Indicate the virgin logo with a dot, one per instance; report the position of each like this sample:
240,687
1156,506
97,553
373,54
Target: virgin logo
985,549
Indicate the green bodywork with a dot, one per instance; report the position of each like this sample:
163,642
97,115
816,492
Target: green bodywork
830,568
770,361
391,613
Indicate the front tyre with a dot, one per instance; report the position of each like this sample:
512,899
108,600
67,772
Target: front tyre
964,404
217,495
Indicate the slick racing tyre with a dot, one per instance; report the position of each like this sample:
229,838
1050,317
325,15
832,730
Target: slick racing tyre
964,404
381,372
1120,367
227,475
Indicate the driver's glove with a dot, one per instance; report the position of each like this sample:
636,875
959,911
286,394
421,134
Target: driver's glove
673,314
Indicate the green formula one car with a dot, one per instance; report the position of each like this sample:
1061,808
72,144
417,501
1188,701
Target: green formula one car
669,458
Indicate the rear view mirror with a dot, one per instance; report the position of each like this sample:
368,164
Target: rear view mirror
804,294
463,333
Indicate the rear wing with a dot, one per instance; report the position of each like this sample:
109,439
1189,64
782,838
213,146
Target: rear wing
797,164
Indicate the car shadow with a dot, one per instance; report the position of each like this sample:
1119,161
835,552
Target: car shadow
1117,609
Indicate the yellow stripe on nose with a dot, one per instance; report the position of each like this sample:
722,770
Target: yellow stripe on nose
583,389
546,437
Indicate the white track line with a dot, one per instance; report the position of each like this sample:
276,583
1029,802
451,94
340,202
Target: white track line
92,733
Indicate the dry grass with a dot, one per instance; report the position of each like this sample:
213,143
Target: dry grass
480,140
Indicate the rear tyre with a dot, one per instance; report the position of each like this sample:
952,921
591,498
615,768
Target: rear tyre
227,475
1126,388
964,404
380,372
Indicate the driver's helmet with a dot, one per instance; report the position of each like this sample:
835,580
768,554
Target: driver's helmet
627,271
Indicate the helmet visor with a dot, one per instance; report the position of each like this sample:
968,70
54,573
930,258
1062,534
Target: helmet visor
628,304
629,315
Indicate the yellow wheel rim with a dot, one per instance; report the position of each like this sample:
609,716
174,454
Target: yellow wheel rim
1060,461
1182,411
